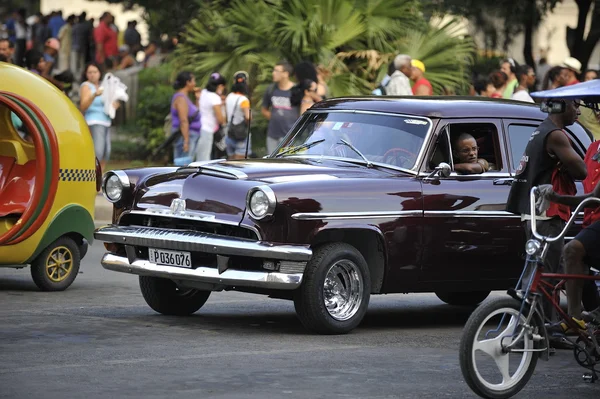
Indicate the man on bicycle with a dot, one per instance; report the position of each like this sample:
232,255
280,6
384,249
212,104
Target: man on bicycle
549,158
584,249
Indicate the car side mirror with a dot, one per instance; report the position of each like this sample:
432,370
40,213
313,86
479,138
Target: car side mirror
442,170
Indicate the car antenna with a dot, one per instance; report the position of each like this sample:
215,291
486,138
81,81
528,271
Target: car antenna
248,133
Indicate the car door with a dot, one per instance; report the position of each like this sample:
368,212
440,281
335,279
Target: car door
468,236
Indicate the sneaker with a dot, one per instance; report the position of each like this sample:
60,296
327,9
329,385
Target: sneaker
592,317
563,328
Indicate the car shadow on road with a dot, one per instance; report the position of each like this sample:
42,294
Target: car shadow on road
17,284
265,321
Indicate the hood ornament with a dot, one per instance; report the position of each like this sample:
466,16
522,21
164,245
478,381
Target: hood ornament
178,206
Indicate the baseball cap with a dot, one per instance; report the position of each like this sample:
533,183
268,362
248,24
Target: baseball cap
418,64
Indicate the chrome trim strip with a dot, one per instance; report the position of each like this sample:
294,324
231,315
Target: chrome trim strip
196,241
480,214
355,215
230,277
350,111
485,174
191,215
569,238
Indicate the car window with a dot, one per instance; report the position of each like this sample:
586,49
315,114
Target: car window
387,139
519,137
487,141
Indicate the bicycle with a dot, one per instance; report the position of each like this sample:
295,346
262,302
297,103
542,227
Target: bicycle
515,325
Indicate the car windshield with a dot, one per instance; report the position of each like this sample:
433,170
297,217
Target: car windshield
385,139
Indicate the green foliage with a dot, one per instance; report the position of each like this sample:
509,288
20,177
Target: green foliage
154,102
340,35
446,55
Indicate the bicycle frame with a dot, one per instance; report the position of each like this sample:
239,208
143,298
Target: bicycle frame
538,285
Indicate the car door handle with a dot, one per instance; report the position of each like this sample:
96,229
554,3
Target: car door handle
503,182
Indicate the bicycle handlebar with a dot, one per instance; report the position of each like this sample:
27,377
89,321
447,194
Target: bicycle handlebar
532,194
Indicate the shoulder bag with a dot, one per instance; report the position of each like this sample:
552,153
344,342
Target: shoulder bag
237,131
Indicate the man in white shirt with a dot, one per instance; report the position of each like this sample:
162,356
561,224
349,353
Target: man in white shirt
526,77
399,85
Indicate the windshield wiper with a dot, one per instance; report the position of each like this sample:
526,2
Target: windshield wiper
301,147
369,164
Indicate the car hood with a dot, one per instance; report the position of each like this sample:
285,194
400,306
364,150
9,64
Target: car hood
218,190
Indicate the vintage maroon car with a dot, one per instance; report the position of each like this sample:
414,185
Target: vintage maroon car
359,199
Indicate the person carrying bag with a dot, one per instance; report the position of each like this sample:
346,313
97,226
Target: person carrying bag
238,109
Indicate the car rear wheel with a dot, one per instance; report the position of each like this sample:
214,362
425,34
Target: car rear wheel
56,267
166,297
463,298
335,291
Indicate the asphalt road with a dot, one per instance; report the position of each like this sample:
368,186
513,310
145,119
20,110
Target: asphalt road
99,339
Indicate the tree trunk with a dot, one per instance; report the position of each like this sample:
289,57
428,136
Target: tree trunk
580,46
530,23
592,38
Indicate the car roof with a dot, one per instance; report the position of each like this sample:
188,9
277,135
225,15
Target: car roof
436,106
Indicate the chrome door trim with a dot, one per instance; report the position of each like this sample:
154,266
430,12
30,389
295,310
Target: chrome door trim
355,215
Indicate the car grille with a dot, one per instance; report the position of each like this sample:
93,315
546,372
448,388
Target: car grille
184,224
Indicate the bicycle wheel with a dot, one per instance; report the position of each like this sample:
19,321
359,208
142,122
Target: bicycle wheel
489,370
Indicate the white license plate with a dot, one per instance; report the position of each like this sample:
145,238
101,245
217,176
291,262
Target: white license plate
169,258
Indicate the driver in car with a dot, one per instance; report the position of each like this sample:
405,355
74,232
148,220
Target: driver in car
465,154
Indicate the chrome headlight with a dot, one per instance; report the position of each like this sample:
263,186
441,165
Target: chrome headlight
532,247
114,185
261,202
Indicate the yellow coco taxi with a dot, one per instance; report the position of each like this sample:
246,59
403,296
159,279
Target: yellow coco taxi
49,178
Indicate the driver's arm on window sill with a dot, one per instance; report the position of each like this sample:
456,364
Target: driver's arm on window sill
478,167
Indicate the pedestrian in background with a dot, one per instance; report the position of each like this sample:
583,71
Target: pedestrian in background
552,80
590,118
399,84
211,115
91,104
237,106
185,118
526,78
509,67
497,81
304,95
65,38
277,107
421,86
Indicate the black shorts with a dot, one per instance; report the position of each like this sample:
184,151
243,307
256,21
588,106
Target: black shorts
590,238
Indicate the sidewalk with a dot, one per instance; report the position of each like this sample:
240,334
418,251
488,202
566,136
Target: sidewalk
103,214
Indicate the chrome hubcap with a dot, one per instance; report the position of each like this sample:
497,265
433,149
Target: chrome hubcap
343,290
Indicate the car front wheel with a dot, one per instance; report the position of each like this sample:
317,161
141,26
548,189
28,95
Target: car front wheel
463,298
335,291
165,297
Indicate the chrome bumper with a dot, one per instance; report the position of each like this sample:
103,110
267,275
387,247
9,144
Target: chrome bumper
292,258
195,241
240,278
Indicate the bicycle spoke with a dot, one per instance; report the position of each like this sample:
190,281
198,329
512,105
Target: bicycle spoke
502,363
489,346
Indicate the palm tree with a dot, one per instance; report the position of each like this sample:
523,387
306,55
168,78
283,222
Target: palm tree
446,53
351,39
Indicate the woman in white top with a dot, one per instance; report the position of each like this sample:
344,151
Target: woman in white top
526,78
211,115
238,111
